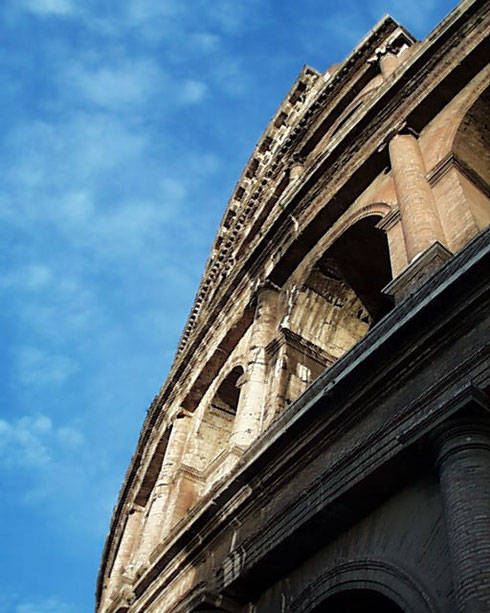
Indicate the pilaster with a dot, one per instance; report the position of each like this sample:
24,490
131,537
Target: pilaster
154,527
249,419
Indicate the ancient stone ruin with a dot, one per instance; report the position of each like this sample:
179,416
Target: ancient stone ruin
322,442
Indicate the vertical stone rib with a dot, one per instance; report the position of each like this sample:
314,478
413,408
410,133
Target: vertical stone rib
420,220
153,531
248,421
128,539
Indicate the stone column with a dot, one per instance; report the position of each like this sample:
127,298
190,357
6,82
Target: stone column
181,492
156,518
420,220
463,459
251,406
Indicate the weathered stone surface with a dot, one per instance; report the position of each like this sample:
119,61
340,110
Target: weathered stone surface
318,445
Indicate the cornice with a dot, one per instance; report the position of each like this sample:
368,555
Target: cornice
451,161
247,193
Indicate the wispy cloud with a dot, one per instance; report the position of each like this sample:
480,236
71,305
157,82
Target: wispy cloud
419,20
50,605
16,603
23,442
125,126
192,91
49,7
125,85
37,366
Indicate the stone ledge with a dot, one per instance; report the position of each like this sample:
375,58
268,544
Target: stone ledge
421,268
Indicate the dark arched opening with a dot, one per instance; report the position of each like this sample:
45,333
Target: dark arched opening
335,305
362,260
472,154
217,423
228,394
358,601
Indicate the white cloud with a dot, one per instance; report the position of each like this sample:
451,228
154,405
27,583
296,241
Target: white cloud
49,605
147,10
75,150
206,41
40,367
417,16
228,15
61,477
49,7
52,456
22,442
230,77
31,277
122,85
70,437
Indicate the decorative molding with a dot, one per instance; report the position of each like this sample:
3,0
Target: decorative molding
374,450
365,573
324,175
288,338
451,161
390,221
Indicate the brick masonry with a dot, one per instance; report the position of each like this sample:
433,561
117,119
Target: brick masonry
322,438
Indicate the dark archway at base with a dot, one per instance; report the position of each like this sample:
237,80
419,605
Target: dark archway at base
358,601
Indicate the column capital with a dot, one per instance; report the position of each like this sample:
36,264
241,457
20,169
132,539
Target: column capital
389,220
421,267
402,129
265,285
296,170
459,434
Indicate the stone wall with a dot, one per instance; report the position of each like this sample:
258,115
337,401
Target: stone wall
369,183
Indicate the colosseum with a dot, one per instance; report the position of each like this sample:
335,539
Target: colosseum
322,442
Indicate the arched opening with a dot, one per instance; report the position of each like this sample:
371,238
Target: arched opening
358,601
362,257
470,148
335,306
217,422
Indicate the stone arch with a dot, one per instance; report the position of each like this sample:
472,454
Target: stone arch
378,210
367,218
332,302
472,158
470,142
455,148
438,138
358,600
218,417
346,221
381,581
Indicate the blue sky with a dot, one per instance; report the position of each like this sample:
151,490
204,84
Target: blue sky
125,126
